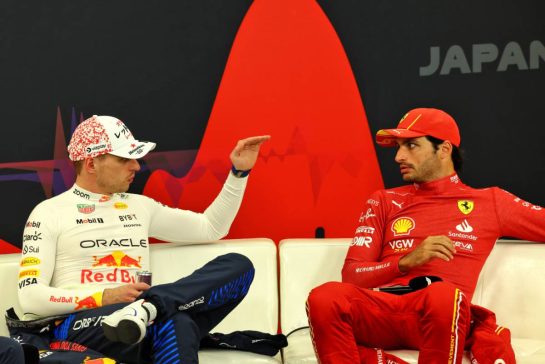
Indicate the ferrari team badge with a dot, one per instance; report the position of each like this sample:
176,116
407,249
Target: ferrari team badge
465,206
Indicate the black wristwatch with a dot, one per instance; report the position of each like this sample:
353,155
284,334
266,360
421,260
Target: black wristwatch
238,173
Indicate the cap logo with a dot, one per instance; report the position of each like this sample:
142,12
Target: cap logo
124,131
96,148
403,118
415,120
138,150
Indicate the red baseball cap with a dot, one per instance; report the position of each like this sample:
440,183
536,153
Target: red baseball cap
105,134
421,122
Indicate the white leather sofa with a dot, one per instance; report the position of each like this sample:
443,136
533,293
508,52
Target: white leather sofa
258,311
512,284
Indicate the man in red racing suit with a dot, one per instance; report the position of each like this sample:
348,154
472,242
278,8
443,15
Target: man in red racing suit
435,227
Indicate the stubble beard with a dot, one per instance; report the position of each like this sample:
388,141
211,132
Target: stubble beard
112,188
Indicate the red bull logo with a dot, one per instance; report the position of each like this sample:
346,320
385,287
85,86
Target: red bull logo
117,259
116,275
86,303
88,360
107,261
60,299
127,261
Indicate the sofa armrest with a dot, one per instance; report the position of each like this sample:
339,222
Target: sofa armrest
512,284
305,264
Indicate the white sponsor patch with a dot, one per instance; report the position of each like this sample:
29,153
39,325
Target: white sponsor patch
371,269
463,246
398,204
462,236
365,229
198,301
367,215
464,227
361,241
401,244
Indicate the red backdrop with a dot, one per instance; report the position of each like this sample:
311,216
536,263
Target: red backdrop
287,76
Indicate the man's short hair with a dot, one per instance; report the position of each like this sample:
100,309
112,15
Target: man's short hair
456,156
78,165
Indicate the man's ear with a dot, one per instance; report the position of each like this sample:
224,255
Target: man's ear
89,165
446,149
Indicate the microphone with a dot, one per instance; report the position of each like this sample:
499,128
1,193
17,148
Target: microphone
423,281
415,284
319,233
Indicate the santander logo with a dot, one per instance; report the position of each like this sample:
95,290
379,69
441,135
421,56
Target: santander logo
464,227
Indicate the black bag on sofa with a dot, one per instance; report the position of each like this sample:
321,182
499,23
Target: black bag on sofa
252,341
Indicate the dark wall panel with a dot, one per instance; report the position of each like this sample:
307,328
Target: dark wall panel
156,65
497,99
152,64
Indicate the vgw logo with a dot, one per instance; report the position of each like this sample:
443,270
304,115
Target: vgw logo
512,56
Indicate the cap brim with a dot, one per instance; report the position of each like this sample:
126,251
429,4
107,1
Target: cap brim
134,150
387,137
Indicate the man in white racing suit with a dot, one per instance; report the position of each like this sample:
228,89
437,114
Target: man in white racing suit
83,248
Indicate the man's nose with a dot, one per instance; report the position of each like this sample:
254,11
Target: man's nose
400,155
135,166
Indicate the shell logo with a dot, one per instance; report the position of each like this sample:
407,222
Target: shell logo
403,226
120,205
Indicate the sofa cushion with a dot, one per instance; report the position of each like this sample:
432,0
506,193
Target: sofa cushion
305,264
512,284
508,285
9,270
213,356
258,311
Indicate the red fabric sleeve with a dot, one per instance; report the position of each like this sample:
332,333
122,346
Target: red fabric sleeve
518,218
363,265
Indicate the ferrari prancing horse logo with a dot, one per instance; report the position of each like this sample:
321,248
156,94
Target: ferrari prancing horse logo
466,206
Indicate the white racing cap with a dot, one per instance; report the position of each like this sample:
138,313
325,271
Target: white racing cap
105,134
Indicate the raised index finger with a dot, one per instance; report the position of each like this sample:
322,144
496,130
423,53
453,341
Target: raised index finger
256,140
